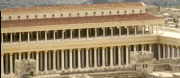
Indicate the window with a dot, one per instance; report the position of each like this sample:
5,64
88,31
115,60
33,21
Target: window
44,16
102,13
53,15
27,17
83,32
86,14
61,15
33,36
118,12
58,34
50,35
36,16
91,32
75,33
110,12
69,14
133,11
107,31
24,36
18,17
78,14
10,17
99,31
15,37
125,12
6,37
67,34
41,35
94,13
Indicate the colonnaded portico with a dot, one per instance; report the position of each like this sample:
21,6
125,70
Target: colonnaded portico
96,41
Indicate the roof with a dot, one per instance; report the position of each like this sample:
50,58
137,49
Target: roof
37,9
77,20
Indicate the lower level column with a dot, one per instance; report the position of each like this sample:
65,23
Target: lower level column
2,64
37,62
11,64
127,55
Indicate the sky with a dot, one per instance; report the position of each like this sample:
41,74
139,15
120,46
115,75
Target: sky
29,3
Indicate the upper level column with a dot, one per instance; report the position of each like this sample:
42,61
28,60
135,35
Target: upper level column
2,64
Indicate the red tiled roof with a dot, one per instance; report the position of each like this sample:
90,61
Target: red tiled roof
77,20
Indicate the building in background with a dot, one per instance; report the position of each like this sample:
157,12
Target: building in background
97,40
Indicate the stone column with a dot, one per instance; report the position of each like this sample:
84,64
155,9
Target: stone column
20,37
127,55
11,64
103,57
168,51
54,60
143,30
159,52
135,30
87,59
150,48
164,51
62,59
142,50
111,31
37,36
111,56
45,35
119,55
119,31
79,34
95,32
70,58
28,36
178,52
95,57
87,33
45,61
2,64
79,59
37,62
54,34
103,31
127,31
173,56
11,37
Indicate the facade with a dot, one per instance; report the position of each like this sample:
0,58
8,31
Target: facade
80,38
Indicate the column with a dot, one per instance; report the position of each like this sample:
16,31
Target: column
45,35
168,51
54,33
28,55
20,37
142,50
79,59
127,55
178,52
103,31
164,51
173,56
54,60
143,29
11,37
28,36
119,31
95,32
2,64
87,59
62,59
111,56
103,57
119,54
95,57
111,31
62,34
135,30
87,33
11,64
159,52
150,48
45,61
127,31
37,36
71,34
37,62
70,58
79,34
135,48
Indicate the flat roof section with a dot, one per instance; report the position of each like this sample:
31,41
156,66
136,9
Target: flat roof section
77,20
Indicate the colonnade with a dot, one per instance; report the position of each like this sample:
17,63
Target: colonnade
74,59
76,33
168,51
